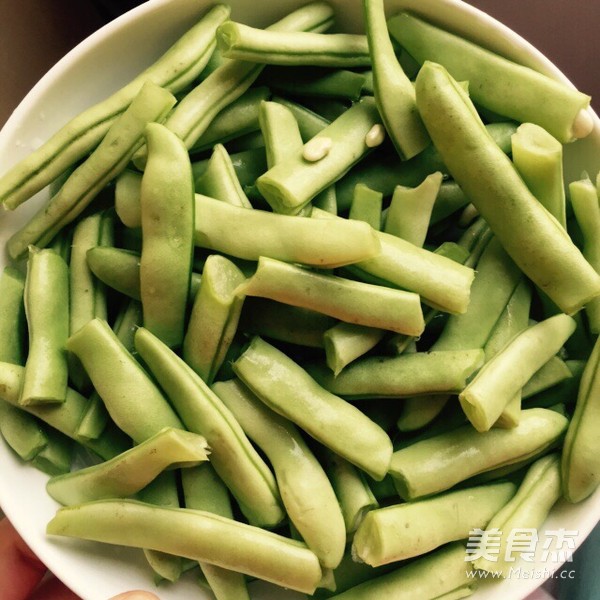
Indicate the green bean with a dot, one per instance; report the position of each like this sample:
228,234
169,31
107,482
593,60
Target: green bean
393,90
126,474
538,157
163,491
399,343
235,460
174,70
12,316
409,213
450,198
167,203
531,236
306,492
87,295
438,463
325,85
203,490
214,317
290,391
133,400
402,531
383,172
528,509
193,114
64,416
290,185
415,580
280,131
345,342
366,206
248,165
496,279
496,83
584,200
234,121
494,386
117,268
197,535
550,374
344,299
120,269
284,322
127,198
579,459
243,42
95,418
309,122
46,371
409,374
352,490
232,230
565,391
220,181
21,431
57,456
106,161
419,411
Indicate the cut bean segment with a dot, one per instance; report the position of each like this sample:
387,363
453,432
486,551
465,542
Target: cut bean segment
306,492
531,236
232,230
214,317
234,121
402,376
505,87
350,301
584,200
579,467
46,370
290,391
292,48
128,473
526,511
197,535
415,580
290,185
232,455
220,181
538,157
501,378
409,212
167,202
345,342
402,531
13,325
438,463
204,490
133,400
352,490
394,92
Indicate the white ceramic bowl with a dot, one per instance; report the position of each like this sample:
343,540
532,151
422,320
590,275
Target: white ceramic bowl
98,66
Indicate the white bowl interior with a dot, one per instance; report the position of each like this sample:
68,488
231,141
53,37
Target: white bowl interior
100,65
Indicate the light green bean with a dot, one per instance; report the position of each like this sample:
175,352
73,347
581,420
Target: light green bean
529,233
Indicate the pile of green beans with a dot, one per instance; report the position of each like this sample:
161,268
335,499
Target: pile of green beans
306,317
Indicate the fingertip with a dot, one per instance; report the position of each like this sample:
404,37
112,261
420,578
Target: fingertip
136,595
